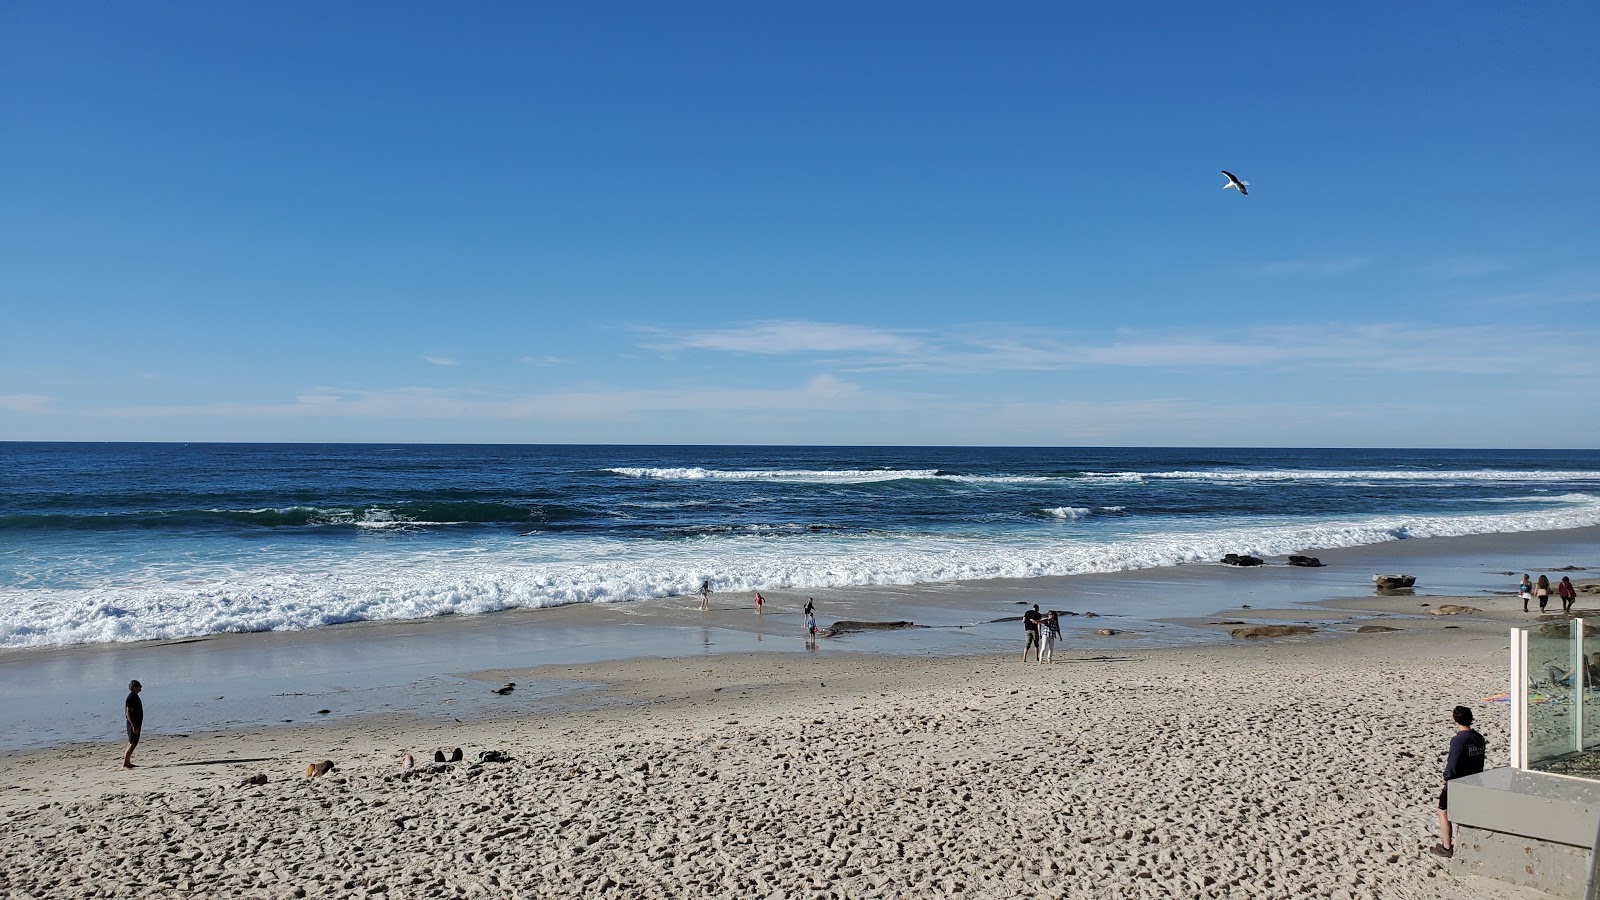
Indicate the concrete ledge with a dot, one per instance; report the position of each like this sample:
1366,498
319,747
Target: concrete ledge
1525,828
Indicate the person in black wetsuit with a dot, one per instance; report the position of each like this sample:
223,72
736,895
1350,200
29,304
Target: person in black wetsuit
133,716
1466,758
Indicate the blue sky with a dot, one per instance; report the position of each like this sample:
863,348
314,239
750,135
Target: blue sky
876,223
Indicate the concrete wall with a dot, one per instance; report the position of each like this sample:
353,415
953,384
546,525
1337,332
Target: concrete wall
1525,828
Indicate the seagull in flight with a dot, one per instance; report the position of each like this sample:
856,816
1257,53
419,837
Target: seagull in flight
1234,182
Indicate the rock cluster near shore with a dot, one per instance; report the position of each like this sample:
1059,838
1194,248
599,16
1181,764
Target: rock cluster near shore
903,777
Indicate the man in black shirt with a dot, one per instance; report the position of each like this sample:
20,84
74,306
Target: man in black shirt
1466,758
1030,625
133,713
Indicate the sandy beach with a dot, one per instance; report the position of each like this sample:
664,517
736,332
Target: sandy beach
1292,767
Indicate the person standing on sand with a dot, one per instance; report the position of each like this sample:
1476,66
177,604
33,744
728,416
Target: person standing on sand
1542,591
1030,627
811,623
759,601
1466,758
133,717
1568,596
705,595
1525,591
811,607
1049,630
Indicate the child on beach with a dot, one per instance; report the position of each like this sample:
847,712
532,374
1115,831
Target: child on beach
133,714
705,595
759,601
811,622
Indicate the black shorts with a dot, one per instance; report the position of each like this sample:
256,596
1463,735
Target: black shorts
133,737
1444,797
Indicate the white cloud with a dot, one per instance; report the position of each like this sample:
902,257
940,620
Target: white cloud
792,337
545,361
1465,267
441,360
1382,346
1322,268
821,392
25,402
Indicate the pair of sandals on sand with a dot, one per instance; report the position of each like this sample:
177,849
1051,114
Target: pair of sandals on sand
409,763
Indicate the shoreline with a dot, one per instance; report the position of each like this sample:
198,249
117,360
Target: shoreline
433,667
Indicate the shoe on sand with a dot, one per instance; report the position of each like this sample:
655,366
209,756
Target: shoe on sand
1442,850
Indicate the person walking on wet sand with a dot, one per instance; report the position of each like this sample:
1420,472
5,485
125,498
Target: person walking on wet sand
1568,595
1542,591
1525,591
133,717
1466,758
1030,628
759,601
705,595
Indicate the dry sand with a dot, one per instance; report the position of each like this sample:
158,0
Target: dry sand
1297,767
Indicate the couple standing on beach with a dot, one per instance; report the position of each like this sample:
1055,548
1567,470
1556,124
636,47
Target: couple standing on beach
1041,630
1527,590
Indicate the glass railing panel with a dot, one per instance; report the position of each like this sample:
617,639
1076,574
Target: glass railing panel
1551,704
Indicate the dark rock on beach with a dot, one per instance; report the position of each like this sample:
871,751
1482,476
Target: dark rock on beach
1305,562
847,626
1235,559
1374,629
1261,631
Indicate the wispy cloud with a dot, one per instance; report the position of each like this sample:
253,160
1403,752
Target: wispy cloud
441,360
25,402
1391,347
1465,267
1320,268
545,361
790,337
820,392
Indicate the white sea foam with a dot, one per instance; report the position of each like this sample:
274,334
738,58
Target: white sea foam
696,473
847,476
540,571
1446,475
1069,512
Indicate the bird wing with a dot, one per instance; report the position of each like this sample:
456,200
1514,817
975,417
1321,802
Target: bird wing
1243,190
1231,176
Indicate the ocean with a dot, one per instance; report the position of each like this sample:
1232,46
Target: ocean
126,542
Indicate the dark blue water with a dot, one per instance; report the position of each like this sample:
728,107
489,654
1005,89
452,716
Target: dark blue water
107,542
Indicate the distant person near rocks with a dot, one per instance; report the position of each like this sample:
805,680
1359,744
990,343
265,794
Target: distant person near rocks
1466,758
1030,628
1525,591
133,718
1567,593
1542,591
